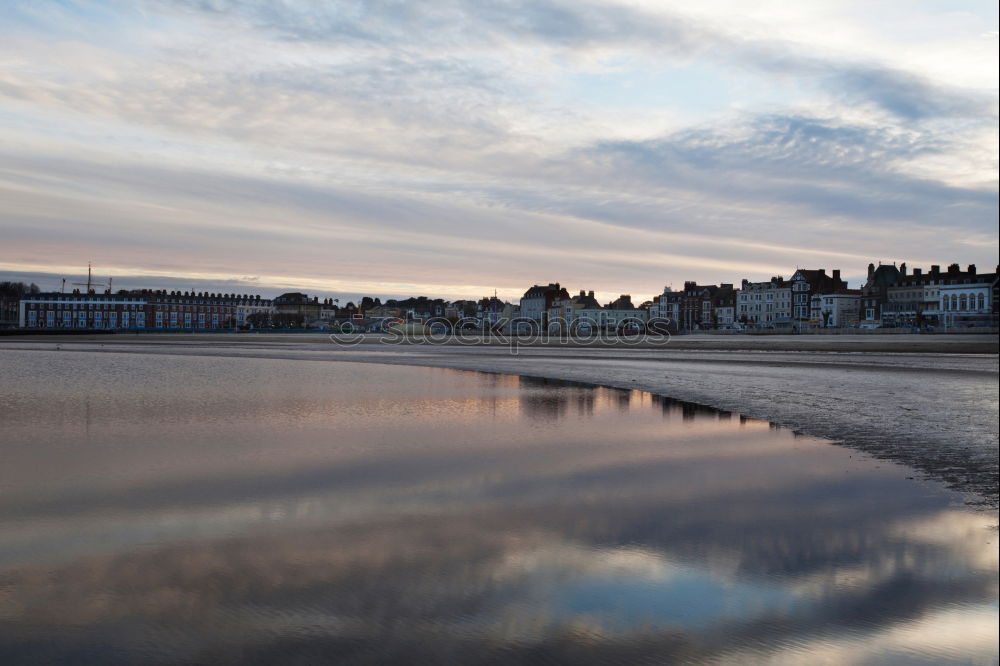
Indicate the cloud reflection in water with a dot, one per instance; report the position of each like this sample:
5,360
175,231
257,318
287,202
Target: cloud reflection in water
415,515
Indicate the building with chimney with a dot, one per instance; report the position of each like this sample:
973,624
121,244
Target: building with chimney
664,311
701,306
593,319
875,293
536,302
914,299
564,312
968,298
807,283
837,310
724,307
254,311
764,304
295,309
696,306
495,314
584,314
136,309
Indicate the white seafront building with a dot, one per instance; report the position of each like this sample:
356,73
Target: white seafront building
968,302
536,301
952,298
666,307
764,304
837,310
247,306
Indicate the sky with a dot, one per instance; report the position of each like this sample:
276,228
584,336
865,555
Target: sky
451,148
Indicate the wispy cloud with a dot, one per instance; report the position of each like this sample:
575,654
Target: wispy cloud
575,27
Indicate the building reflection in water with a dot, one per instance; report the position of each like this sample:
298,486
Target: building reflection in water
551,399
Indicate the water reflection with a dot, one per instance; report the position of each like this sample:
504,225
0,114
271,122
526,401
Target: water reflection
253,511
547,400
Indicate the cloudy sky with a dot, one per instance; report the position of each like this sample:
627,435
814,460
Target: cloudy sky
452,148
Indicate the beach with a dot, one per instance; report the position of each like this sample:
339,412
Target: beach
927,401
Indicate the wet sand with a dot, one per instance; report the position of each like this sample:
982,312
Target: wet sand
968,343
928,401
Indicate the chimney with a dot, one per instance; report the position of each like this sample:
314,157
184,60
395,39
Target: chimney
871,270
836,273
953,269
590,293
902,268
935,269
972,268
917,272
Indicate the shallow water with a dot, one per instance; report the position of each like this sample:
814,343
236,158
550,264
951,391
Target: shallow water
166,509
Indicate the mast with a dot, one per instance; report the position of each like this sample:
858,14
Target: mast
90,284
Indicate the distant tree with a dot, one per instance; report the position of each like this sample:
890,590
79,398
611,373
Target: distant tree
10,295
18,289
